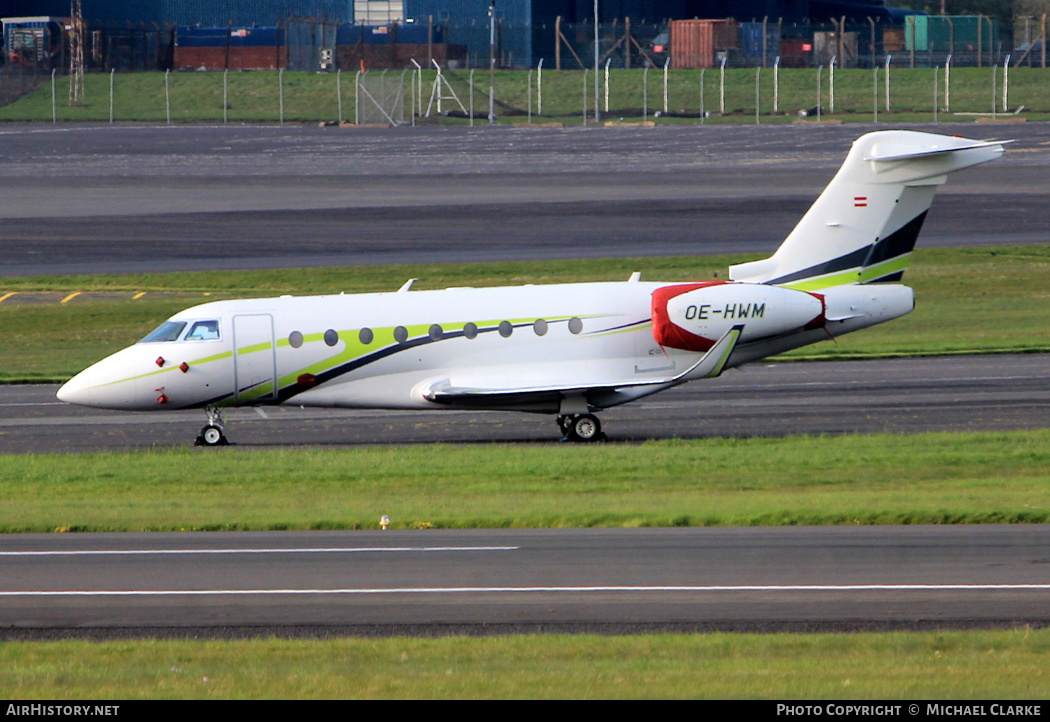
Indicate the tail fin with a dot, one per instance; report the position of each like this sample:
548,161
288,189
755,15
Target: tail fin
863,227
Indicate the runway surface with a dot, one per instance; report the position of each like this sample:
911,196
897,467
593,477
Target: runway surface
92,199
998,392
500,581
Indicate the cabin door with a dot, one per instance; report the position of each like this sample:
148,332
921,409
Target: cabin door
254,357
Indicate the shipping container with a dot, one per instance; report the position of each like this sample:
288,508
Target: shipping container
393,34
370,57
752,46
795,53
229,48
695,42
951,33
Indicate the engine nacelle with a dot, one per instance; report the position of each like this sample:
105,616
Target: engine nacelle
693,316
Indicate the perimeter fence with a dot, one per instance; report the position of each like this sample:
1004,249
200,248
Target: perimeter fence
397,97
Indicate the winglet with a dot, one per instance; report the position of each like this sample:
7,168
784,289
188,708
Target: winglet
714,361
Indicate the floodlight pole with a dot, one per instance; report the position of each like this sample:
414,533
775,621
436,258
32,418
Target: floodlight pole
597,117
492,62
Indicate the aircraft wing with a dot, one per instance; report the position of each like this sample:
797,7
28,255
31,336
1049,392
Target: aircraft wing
710,365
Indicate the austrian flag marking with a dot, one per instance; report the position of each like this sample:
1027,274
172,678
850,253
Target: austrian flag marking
860,201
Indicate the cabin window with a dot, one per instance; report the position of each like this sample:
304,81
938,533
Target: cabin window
540,327
295,339
167,331
331,337
204,331
470,330
366,336
575,325
436,332
506,329
401,334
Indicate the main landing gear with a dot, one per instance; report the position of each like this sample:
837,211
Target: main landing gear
582,427
213,432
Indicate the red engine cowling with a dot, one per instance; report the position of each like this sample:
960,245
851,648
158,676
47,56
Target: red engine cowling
693,316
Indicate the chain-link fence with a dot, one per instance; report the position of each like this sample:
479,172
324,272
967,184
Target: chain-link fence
922,41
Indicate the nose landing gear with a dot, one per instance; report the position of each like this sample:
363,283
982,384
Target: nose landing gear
582,427
213,433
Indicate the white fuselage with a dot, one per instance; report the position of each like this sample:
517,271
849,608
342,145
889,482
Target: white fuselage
527,348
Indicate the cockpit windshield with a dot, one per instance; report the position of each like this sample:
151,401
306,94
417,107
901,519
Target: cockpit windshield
167,331
204,331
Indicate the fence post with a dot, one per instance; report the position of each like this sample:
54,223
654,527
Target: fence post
54,109
1006,83
888,58
666,63
226,97
280,90
111,70
645,93
758,76
357,98
936,82
539,88
820,70
585,96
874,88
607,84
722,89
995,71
776,85
947,83
167,97
339,95
703,113
831,84
472,97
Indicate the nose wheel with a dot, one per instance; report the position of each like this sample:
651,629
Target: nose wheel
584,427
213,433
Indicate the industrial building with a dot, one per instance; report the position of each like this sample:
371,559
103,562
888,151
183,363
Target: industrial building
329,34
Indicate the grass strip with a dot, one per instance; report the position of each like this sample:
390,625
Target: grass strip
937,478
988,665
969,300
256,96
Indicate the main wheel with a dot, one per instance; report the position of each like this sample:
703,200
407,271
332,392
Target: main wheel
585,427
211,435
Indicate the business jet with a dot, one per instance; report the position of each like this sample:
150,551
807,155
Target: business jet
568,350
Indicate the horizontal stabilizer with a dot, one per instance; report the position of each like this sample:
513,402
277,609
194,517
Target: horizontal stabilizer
885,155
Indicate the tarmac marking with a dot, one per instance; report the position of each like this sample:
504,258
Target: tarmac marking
7,296
70,297
138,295
528,590
314,550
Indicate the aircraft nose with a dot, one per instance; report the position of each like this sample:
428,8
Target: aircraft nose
75,391
106,384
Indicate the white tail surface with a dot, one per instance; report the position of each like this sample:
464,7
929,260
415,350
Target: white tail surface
863,227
